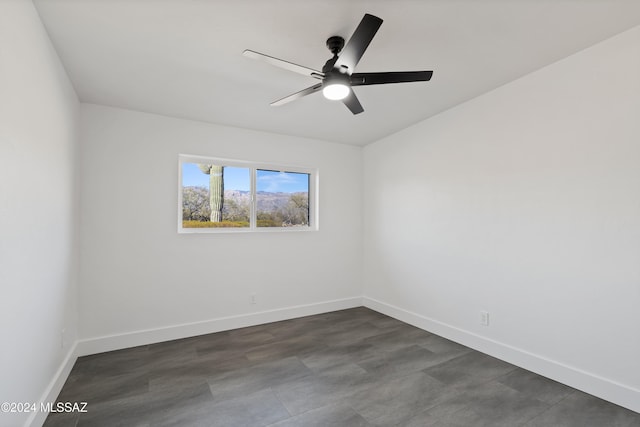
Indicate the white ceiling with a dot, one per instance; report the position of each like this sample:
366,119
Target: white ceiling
183,58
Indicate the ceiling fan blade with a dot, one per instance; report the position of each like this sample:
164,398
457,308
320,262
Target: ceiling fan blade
358,43
297,95
360,79
283,64
352,103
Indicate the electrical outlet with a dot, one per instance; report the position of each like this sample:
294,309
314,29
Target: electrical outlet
253,298
63,340
484,318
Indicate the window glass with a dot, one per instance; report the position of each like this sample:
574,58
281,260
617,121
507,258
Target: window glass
215,196
282,199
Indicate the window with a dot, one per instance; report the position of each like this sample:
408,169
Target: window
230,195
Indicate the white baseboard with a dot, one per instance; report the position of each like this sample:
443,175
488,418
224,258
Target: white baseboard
596,385
150,336
52,391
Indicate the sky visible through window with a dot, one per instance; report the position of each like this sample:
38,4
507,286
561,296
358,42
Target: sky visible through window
238,179
282,182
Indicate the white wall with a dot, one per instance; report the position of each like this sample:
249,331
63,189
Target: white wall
143,282
38,211
524,202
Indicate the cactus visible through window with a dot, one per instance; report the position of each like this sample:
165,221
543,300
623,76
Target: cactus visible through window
216,190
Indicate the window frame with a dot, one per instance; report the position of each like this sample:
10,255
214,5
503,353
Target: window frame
253,168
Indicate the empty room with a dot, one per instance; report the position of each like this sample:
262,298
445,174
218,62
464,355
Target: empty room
320,213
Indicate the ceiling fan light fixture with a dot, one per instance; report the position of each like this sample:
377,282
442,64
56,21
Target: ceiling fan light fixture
335,91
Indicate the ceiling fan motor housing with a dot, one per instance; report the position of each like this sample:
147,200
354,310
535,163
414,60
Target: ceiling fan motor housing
336,77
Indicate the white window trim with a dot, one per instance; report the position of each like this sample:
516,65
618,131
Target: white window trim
252,166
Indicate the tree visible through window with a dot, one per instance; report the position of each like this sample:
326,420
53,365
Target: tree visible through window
221,194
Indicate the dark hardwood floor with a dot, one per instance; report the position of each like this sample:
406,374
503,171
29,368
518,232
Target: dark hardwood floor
347,368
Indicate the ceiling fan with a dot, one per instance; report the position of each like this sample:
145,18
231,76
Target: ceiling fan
337,76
